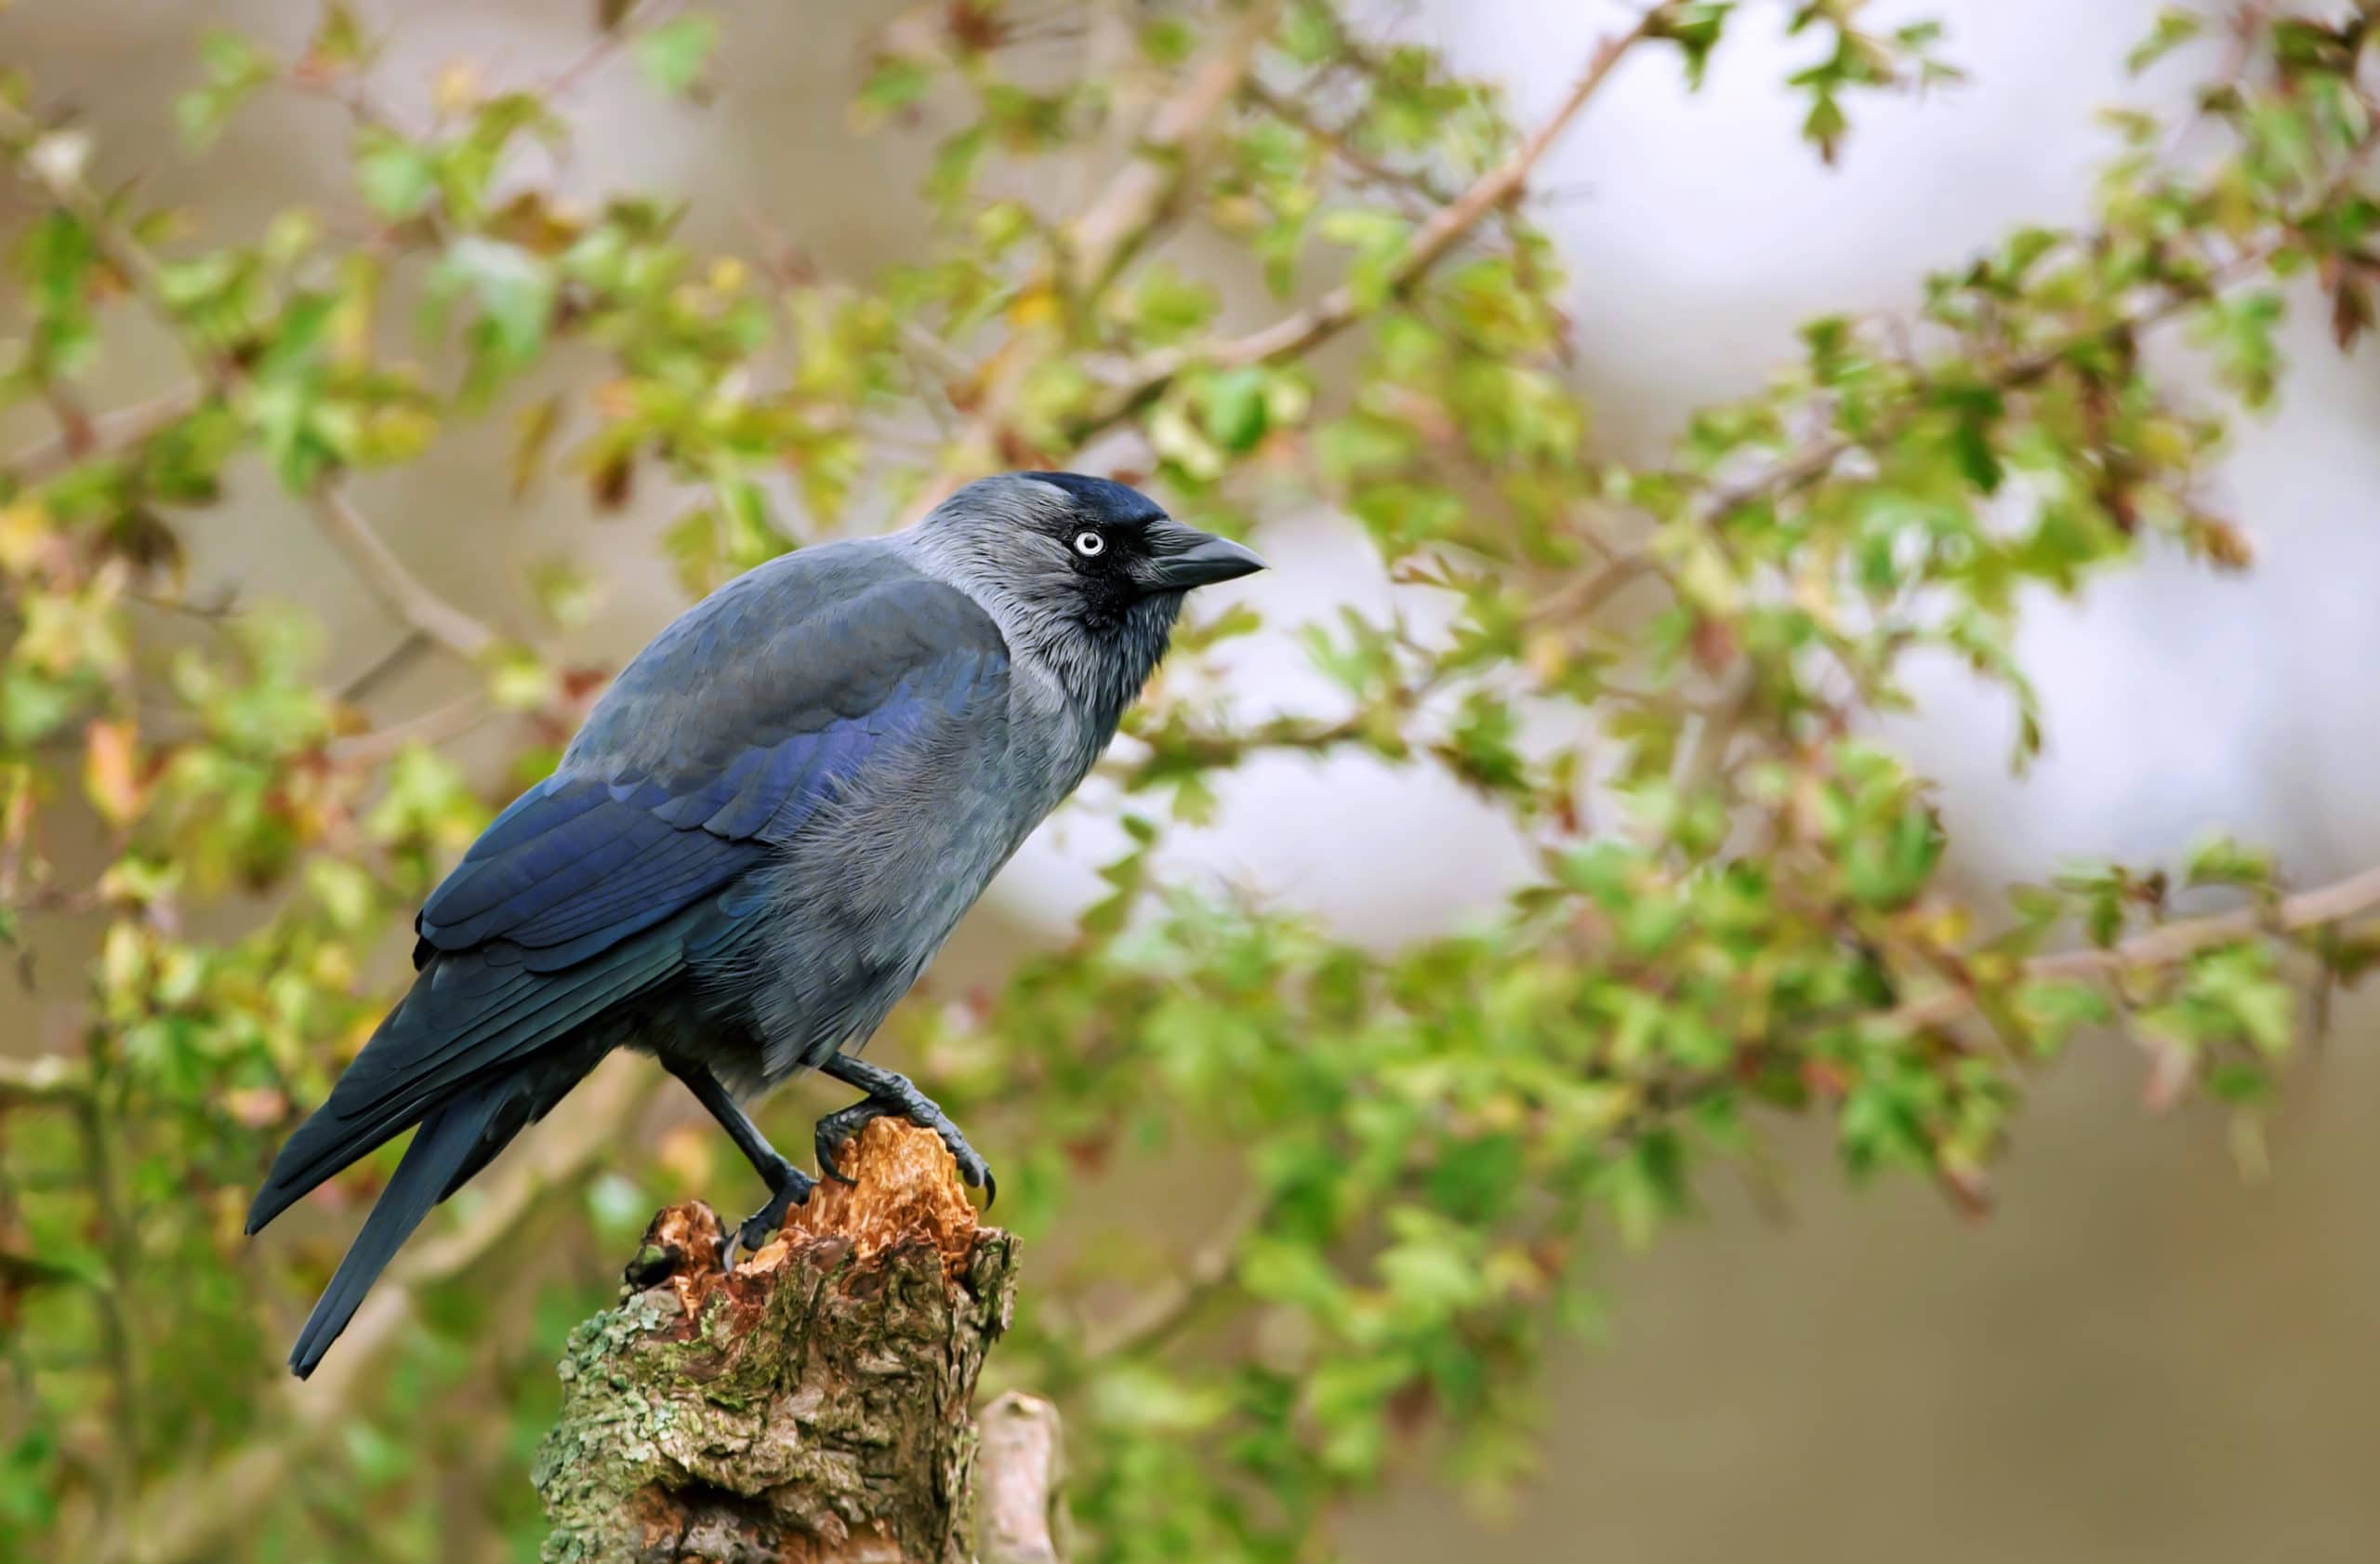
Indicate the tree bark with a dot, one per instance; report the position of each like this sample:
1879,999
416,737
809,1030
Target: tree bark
811,1407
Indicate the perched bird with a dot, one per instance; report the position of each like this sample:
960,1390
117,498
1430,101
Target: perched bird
765,829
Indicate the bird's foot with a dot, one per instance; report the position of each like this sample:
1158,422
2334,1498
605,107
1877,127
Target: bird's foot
792,1188
898,1098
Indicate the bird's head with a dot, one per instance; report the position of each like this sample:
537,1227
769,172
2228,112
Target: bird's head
1087,571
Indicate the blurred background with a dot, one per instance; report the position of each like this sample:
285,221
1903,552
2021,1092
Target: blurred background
2141,1354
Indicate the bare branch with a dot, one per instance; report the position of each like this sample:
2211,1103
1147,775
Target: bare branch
189,1518
45,1078
642,16
437,725
1158,1314
1445,228
1122,217
1017,1470
108,433
396,587
2171,943
1334,310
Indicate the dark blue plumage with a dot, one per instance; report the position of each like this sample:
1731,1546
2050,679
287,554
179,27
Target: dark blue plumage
764,830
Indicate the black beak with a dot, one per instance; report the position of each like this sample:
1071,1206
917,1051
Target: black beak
1181,558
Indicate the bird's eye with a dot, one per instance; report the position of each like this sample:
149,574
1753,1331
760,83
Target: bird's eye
1089,545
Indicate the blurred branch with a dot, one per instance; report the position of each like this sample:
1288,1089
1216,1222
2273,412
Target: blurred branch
104,435
191,1518
1317,323
1291,111
2169,944
398,588
632,19
1582,596
1112,229
48,1077
1121,218
2172,300
419,607
1445,228
1158,1314
1017,1469
435,727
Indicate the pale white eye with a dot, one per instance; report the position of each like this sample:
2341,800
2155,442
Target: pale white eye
1089,545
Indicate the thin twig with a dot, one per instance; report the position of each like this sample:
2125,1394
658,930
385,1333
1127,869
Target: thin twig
1589,593
45,1078
640,18
1159,1313
2169,944
1340,142
398,588
1325,317
1813,463
415,604
434,726
191,1518
1121,219
1446,229
1100,241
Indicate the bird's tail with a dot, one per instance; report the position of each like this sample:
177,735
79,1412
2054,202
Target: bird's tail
452,1139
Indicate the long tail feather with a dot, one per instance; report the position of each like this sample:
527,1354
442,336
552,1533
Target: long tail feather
449,1137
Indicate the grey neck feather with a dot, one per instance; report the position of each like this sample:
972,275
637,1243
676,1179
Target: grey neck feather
1024,581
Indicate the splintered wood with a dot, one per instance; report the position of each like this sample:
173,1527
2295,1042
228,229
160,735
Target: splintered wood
904,1188
813,1406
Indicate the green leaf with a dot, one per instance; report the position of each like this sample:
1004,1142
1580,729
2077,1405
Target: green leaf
2173,28
672,56
397,176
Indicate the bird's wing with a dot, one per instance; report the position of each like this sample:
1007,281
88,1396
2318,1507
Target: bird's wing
725,736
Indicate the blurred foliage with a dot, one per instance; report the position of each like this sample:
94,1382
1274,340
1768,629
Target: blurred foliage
1664,675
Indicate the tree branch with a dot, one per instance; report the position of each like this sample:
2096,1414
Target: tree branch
1121,220
1334,310
107,434
1017,1470
1158,1314
189,1518
398,588
2169,944
812,1403
1106,235
1445,228
1814,462
419,607
46,1078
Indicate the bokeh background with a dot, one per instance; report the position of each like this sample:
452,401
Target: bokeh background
2142,1355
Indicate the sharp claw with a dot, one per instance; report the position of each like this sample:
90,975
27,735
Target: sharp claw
828,1147
991,1189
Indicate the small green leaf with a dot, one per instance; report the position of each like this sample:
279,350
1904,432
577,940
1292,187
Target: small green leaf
396,176
672,56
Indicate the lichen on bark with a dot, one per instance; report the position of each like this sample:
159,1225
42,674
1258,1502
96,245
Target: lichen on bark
811,1407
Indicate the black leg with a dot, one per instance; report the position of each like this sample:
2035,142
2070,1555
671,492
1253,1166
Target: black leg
789,1186
889,1094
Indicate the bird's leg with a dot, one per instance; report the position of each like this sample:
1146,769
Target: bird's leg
789,1186
889,1094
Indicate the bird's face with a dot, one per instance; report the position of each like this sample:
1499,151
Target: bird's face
1090,551
1083,573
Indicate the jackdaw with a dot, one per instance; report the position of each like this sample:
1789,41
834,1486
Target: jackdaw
765,829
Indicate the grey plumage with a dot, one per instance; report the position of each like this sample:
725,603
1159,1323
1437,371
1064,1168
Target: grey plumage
764,830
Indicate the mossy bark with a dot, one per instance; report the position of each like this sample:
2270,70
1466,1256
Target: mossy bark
811,1407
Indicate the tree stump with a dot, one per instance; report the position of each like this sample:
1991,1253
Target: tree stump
813,1406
